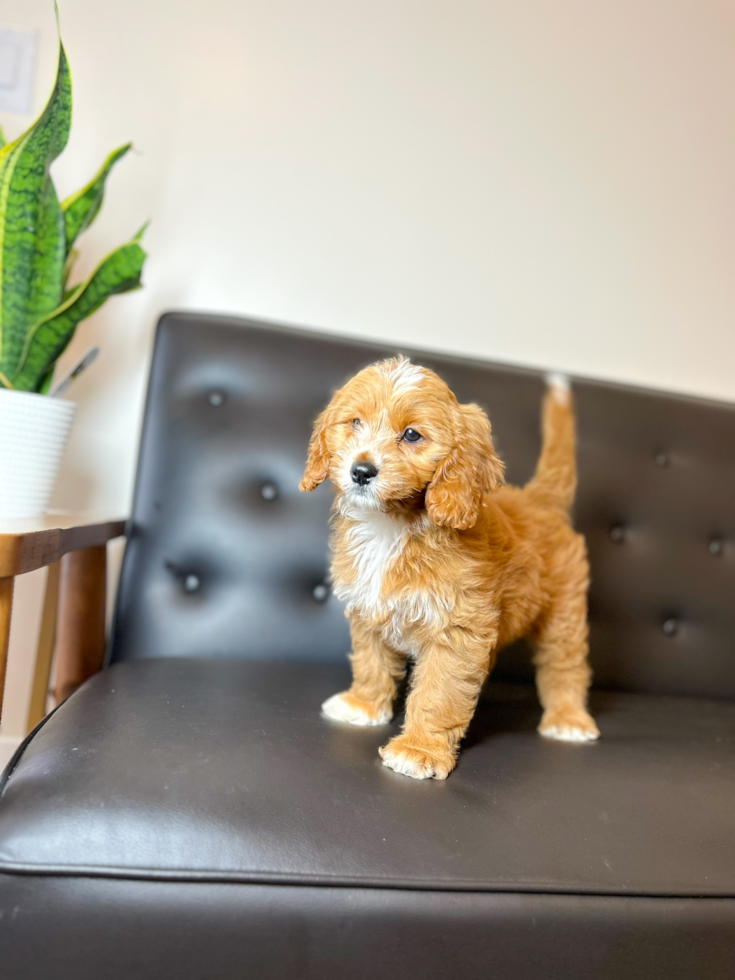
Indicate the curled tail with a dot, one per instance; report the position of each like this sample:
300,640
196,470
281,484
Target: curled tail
555,480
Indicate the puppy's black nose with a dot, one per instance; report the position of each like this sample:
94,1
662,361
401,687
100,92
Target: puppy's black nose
363,473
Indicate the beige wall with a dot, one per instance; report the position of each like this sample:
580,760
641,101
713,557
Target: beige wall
543,182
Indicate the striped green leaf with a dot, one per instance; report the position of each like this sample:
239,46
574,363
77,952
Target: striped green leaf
68,266
82,208
39,312
48,258
47,340
32,241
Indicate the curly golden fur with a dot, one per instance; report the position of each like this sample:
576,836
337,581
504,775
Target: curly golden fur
441,564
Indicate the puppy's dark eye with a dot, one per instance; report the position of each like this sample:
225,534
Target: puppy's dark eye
411,435
356,422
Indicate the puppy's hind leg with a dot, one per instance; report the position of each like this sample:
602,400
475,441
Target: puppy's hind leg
376,672
562,673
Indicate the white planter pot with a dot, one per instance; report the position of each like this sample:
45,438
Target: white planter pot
34,430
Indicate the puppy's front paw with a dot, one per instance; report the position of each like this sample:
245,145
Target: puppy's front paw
570,725
347,708
409,756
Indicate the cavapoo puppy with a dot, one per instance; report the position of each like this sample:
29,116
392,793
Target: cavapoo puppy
442,565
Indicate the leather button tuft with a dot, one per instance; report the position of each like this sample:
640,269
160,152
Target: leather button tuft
216,398
320,592
662,460
617,533
716,546
671,626
192,583
269,491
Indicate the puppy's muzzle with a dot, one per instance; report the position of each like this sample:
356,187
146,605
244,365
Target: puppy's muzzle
362,473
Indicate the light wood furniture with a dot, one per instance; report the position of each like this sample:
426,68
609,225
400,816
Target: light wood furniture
73,546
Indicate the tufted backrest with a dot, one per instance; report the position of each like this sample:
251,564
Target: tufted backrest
226,558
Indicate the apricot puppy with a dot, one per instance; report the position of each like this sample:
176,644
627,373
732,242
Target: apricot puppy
441,564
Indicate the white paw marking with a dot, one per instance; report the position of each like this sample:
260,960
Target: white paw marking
568,733
339,710
400,762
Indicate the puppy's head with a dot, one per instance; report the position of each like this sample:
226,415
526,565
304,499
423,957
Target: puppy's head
395,436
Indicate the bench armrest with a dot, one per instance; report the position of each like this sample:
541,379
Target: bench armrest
31,543
73,546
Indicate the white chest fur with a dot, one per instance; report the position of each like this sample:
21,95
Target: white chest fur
373,543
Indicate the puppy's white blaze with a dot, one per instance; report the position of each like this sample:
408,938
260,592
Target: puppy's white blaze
561,387
374,541
568,733
405,376
339,710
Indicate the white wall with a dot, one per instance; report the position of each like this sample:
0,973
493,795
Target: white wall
547,182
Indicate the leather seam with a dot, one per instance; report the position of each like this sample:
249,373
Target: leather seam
324,881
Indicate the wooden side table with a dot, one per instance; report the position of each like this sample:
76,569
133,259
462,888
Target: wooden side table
74,547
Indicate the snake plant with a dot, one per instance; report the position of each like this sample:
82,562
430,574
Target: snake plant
39,309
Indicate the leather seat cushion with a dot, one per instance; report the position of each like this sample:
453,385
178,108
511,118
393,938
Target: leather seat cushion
219,770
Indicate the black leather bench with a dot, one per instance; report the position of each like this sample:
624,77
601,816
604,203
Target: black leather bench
188,813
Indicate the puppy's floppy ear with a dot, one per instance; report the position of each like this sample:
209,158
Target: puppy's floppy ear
317,460
471,469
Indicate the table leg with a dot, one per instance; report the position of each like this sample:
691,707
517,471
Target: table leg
45,649
80,631
6,608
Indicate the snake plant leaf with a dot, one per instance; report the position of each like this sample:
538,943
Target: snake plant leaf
82,208
68,293
31,263
48,260
2,138
47,340
71,258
